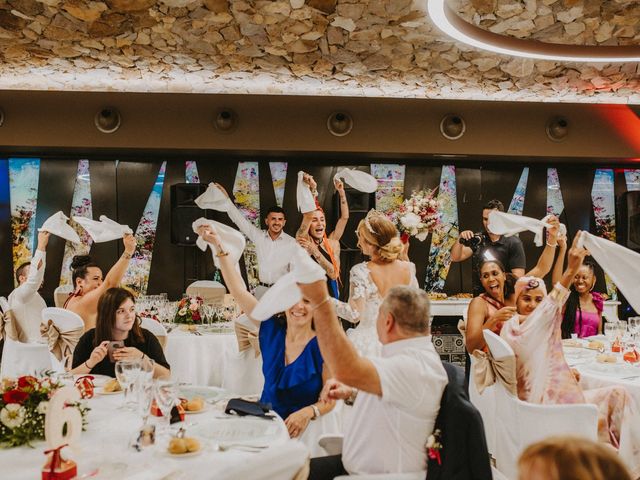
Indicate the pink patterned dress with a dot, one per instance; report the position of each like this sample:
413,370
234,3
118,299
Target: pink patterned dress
544,377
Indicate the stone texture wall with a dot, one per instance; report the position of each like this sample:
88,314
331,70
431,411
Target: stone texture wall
316,47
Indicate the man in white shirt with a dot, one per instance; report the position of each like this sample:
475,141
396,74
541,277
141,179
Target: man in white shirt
395,397
24,301
273,245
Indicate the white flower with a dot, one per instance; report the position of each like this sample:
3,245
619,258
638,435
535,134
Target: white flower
431,441
42,407
12,415
410,220
422,236
182,312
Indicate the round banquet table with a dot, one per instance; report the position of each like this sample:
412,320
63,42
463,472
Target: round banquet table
104,452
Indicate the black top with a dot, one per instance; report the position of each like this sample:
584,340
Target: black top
508,250
149,346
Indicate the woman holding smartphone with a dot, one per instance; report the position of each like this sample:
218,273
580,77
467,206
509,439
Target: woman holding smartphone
117,336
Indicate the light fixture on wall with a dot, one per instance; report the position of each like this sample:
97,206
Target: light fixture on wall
107,120
452,126
447,20
226,120
557,128
339,124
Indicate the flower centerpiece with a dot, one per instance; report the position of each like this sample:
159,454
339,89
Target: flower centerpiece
417,216
23,406
189,310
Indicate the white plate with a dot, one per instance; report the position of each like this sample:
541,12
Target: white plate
100,391
196,412
208,393
254,431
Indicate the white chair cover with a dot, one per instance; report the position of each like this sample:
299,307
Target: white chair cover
156,328
243,370
60,295
24,359
519,424
331,443
485,403
326,427
210,291
65,320
282,462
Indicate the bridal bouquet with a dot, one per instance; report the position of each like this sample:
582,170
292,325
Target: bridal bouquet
417,216
189,310
23,405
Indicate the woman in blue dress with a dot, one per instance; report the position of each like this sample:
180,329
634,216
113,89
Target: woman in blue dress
293,368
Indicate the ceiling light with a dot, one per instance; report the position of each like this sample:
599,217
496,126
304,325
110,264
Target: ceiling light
447,20
339,124
107,120
452,126
226,120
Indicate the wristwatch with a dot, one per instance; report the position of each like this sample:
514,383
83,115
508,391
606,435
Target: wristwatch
352,398
316,412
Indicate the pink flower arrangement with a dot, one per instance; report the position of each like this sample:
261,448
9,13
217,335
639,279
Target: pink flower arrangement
189,310
417,216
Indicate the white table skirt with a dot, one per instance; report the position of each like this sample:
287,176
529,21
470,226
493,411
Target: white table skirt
105,446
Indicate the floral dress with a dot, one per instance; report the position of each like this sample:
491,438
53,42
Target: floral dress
544,377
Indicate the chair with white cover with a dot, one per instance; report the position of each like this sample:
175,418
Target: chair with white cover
62,328
210,291
519,423
20,359
156,328
242,374
60,295
485,403
287,461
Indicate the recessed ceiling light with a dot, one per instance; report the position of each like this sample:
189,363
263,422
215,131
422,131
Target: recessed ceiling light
447,20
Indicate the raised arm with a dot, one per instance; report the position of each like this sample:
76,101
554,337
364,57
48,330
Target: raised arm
556,274
344,213
459,252
546,257
30,287
576,256
303,230
232,277
245,226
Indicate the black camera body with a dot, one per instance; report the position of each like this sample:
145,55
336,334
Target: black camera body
474,242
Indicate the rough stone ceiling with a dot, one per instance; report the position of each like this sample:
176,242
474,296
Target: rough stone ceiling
382,48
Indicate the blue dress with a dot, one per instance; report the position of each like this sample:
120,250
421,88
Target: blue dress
288,388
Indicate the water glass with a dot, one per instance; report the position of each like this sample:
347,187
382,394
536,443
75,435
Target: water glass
611,331
127,372
165,394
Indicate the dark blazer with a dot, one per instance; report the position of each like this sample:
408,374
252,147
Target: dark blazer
464,452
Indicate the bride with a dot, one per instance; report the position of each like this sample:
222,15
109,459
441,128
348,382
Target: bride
369,281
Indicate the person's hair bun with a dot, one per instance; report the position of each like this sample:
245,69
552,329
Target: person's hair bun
392,250
80,261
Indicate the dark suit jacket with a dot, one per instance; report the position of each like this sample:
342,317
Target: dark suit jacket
464,452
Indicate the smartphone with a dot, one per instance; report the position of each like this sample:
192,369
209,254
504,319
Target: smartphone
112,347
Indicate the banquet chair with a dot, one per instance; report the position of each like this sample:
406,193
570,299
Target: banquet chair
519,423
210,291
20,359
242,374
156,328
60,295
485,403
70,327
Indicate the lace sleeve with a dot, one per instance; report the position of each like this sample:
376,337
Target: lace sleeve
357,293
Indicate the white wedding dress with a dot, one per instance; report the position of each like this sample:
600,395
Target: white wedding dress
363,306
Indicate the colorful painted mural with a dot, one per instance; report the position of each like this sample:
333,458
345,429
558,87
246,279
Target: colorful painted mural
517,202
278,178
555,204
604,211
390,191
632,179
246,191
445,234
80,207
191,172
137,276
24,174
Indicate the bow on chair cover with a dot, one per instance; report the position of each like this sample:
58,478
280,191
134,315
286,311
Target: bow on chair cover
10,329
486,370
247,338
61,344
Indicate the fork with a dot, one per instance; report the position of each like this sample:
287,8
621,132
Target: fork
223,447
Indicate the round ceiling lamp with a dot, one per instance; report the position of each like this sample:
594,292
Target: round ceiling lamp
107,120
447,20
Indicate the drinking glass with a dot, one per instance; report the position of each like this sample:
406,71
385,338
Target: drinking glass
127,372
611,331
165,394
634,326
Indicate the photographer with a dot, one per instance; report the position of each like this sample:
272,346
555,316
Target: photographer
488,246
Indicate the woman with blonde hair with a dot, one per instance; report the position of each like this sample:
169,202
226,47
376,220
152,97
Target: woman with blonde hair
570,458
370,281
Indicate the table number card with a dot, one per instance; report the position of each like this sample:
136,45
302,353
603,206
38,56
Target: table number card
58,414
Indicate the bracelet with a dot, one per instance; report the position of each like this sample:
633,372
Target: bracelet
552,246
316,412
87,365
222,254
352,398
127,255
327,299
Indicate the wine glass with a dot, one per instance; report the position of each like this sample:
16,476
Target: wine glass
127,372
611,331
165,394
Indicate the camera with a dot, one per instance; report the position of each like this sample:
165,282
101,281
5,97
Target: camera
473,243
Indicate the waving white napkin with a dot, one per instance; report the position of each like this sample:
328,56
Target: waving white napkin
620,263
361,181
285,293
105,230
232,239
306,202
508,224
213,199
57,224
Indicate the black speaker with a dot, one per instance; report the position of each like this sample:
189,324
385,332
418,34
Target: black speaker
359,205
184,212
629,208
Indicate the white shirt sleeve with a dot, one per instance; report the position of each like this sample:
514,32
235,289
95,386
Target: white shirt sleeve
252,232
24,292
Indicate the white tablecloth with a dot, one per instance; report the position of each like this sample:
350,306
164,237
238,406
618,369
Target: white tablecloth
105,446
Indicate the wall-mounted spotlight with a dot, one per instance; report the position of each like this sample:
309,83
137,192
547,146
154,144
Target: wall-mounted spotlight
557,129
339,124
108,120
226,120
452,127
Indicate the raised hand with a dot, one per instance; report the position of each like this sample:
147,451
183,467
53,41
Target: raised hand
129,243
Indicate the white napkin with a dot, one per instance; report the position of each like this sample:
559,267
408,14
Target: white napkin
507,224
361,181
306,202
620,263
57,224
232,239
214,199
103,231
285,293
